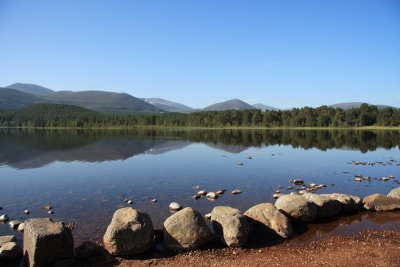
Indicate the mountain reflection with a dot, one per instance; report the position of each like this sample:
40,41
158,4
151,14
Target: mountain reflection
33,148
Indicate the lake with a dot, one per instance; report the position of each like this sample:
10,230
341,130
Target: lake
85,175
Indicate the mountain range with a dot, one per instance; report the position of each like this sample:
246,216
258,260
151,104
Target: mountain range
20,95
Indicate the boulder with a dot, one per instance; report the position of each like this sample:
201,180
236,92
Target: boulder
395,193
297,208
267,217
350,204
130,232
6,239
327,206
186,229
46,241
230,226
10,251
378,202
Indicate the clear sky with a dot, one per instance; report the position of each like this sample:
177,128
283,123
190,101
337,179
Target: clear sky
280,53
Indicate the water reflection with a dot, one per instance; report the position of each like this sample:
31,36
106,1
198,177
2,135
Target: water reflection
33,148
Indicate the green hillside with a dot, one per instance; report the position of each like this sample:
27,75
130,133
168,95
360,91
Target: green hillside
13,99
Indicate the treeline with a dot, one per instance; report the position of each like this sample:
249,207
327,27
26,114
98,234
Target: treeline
47,115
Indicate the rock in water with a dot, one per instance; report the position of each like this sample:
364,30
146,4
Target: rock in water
129,233
21,227
327,206
14,224
174,206
211,195
186,229
395,193
378,202
7,239
350,204
266,217
10,251
46,242
230,226
3,218
297,208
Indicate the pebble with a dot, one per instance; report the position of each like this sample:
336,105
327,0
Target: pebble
21,227
211,196
276,196
280,187
298,182
235,192
126,200
14,224
277,191
357,179
196,187
202,192
302,192
26,211
391,176
358,175
220,192
4,218
208,216
50,212
174,206
196,197
385,179
248,157
240,163
289,187
332,185
154,200
46,207
313,185
129,202
290,181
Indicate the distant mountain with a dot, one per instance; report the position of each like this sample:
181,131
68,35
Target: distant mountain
348,105
167,105
264,107
14,99
31,88
233,104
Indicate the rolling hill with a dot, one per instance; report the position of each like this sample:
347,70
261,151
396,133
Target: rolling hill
13,99
167,105
233,104
264,107
348,105
31,88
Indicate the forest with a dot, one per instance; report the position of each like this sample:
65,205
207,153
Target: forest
62,115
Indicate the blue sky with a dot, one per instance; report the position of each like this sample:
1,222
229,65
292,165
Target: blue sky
280,53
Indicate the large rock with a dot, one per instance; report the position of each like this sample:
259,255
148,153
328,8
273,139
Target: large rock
46,242
230,226
350,204
266,216
395,193
378,202
186,229
10,251
130,232
297,208
327,206
6,239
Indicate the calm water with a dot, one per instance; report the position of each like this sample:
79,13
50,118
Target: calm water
86,175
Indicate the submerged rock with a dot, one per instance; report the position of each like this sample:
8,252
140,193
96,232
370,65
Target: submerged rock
196,197
266,217
378,202
186,229
230,226
46,241
297,208
129,233
235,192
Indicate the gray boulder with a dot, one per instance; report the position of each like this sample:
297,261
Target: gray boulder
297,208
10,251
6,239
46,241
327,206
186,229
395,193
266,216
378,202
350,204
230,226
130,232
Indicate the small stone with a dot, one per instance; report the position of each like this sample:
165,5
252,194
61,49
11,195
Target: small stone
21,227
277,191
129,202
196,187
235,192
332,185
280,187
358,180
358,175
14,224
26,211
290,181
385,179
208,216
202,192
4,218
174,206
126,200
50,212
154,200
289,188
302,192
220,192
147,197
298,182
313,185
240,163
196,197
276,196
248,157
46,207
212,196
391,176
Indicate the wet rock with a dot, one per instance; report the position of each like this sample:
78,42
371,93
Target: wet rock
10,251
174,206
240,163
313,185
395,193
277,191
196,187
266,216
46,242
6,239
235,192
211,195
248,157
129,202
220,192
290,181
50,212
276,196
129,233
350,204
26,212
208,216
280,187
14,224
196,197
88,249
378,202
358,176
302,192
385,179
230,226
154,200
186,229
298,182
289,188
358,180
4,218
327,206
21,227
202,192
297,208
46,207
